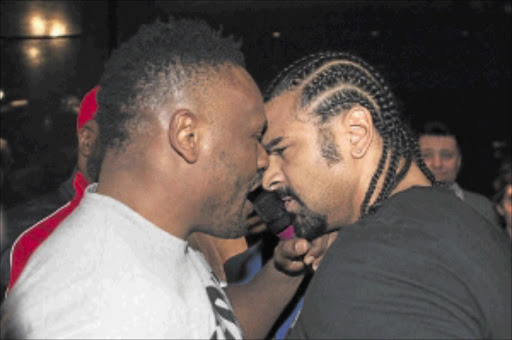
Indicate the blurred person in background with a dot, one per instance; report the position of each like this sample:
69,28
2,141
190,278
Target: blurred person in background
5,159
441,152
503,196
5,163
29,224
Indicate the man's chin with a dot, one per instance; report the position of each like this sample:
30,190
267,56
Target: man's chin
308,234
309,227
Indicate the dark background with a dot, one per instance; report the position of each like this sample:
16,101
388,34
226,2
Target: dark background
446,60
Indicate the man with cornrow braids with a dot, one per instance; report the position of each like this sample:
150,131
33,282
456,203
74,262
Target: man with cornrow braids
411,260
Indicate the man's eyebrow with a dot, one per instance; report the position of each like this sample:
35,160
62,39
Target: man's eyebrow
270,145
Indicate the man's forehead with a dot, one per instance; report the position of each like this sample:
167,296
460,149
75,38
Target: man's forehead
280,116
239,80
435,141
235,96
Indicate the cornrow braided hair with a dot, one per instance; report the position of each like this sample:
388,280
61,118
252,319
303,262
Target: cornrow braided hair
333,82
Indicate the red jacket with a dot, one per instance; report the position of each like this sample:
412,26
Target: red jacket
33,237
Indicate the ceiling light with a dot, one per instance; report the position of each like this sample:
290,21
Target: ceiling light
19,103
38,25
57,30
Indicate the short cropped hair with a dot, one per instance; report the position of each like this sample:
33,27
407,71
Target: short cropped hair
143,72
503,180
437,128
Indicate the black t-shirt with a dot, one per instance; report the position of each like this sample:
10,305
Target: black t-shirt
425,265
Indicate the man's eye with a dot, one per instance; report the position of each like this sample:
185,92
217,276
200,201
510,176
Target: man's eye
278,151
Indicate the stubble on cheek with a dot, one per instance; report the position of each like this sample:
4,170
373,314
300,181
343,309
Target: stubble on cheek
328,147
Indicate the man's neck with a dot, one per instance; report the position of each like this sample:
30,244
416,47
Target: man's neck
153,200
414,177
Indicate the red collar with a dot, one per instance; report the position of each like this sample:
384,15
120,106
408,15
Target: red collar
80,183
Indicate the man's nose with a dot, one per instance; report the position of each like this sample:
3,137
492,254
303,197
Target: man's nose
262,161
273,177
436,161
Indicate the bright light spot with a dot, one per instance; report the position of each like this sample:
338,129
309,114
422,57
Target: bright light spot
33,52
276,34
38,25
19,102
57,30
2,94
375,33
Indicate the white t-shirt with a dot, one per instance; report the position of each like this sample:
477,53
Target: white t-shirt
107,272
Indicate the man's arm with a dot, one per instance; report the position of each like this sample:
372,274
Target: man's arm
258,303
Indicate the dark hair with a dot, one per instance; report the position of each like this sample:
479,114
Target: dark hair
332,82
143,72
503,179
437,128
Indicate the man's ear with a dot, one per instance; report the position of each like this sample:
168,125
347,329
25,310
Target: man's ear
360,124
183,135
87,136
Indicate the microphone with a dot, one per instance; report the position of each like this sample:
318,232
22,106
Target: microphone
270,208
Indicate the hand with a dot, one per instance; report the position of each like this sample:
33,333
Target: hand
297,255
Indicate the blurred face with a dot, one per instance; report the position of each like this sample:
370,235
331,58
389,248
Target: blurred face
441,156
236,152
89,152
505,208
307,168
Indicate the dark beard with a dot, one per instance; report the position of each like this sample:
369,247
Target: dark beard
307,223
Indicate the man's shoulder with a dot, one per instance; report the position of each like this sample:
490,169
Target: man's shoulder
22,216
412,209
472,196
412,256
35,208
482,205
437,206
417,223
101,304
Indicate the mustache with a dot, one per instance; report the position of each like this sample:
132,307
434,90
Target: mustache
287,191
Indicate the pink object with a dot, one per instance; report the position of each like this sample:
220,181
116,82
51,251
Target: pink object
287,234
